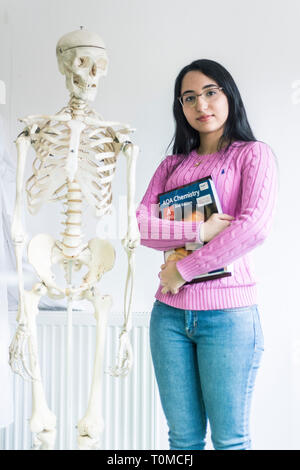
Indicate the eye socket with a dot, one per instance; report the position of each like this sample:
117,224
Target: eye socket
80,61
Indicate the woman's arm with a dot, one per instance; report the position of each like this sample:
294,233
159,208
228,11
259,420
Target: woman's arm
158,233
250,228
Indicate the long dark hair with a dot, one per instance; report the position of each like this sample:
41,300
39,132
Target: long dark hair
236,126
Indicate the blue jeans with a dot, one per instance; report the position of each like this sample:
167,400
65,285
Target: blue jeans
205,363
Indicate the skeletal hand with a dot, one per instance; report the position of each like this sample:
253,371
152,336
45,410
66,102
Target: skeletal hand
20,347
125,356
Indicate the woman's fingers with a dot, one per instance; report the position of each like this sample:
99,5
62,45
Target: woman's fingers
165,290
226,217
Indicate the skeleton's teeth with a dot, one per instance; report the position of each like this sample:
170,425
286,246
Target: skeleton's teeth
82,85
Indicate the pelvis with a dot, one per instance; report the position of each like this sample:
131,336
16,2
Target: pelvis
44,252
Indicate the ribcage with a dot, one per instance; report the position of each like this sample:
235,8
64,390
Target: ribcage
96,166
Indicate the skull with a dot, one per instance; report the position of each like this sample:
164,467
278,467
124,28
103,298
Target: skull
82,59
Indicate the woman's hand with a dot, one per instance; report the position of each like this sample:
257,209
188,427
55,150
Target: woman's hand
170,278
214,225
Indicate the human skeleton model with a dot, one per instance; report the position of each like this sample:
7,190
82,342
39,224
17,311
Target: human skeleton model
76,153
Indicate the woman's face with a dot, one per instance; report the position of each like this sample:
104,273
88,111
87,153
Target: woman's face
207,116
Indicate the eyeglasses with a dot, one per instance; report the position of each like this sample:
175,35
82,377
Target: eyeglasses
209,95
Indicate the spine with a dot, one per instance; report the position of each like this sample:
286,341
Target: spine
72,235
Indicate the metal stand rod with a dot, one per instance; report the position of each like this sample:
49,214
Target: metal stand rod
69,391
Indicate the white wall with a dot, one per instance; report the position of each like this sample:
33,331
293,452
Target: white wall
148,43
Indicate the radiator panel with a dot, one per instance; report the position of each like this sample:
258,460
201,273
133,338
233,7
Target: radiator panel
131,406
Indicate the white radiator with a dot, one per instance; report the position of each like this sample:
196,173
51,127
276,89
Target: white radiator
131,406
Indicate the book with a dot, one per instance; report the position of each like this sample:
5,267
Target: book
196,202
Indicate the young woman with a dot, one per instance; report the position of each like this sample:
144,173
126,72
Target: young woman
206,339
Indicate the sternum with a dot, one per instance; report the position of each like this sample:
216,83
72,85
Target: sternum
72,235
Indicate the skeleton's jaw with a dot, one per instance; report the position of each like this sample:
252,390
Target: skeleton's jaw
81,89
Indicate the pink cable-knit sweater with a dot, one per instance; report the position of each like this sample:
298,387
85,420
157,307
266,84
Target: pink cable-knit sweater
245,177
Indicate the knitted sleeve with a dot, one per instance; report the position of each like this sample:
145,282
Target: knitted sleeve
259,184
155,232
